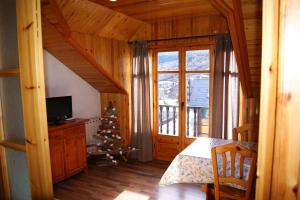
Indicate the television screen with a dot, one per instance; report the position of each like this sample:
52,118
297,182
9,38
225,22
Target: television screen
59,109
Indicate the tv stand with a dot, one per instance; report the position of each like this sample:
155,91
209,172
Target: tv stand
67,144
56,123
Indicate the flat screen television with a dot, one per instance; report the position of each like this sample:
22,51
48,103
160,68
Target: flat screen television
59,109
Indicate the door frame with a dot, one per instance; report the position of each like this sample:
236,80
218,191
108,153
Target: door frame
181,140
164,138
32,84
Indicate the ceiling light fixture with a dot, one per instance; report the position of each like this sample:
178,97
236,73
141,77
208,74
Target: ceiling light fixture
113,0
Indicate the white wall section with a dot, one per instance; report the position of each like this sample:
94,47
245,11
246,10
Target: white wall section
61,81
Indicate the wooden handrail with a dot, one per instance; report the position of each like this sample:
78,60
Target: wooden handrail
13,145
9,72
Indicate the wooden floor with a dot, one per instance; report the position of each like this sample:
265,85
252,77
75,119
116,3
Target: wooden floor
128,181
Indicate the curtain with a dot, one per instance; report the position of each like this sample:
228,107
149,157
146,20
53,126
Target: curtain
233,96
141,136
225,111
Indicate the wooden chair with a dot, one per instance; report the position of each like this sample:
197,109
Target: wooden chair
242,131
220,187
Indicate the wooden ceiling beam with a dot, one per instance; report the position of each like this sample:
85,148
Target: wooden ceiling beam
235,22
62,24
51,11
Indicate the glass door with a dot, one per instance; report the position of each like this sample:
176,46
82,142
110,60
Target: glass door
167,103
197,93
168,90
182,98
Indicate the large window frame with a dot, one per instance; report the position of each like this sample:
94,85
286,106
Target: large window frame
182,141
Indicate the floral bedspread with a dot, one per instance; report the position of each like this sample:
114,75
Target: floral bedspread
193,164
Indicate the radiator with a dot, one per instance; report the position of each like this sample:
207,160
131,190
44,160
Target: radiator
91,127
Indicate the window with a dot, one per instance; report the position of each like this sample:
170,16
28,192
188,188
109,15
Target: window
183,79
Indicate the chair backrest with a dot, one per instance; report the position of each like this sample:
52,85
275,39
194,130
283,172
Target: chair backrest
242,131
233,150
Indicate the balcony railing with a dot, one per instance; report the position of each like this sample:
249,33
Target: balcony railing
196,122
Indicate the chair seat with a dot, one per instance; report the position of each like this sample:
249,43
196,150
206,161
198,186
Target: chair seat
225,191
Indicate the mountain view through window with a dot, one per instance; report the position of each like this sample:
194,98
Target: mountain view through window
197,91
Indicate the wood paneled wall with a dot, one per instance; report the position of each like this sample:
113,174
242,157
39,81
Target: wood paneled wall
279,150
249,114
252,13
190,26
183,27
286,163
114,56
66,49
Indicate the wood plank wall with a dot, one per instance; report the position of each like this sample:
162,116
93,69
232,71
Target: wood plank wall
114,56
252,13
189,26
286,162
249,107
279,149
249,114
182,27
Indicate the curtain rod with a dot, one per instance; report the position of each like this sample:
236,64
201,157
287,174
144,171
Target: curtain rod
178,38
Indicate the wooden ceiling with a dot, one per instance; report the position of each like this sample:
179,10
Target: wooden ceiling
151,10
87,17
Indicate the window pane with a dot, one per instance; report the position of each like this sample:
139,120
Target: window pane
11,100
18,174
197,60
197,111
168,61
168,104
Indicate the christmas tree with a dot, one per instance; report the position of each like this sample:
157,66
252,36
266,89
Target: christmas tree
110,146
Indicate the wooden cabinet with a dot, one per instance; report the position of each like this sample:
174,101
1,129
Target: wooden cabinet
67,149
57,158
71,156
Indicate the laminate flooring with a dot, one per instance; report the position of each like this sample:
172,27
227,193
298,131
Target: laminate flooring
127,181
